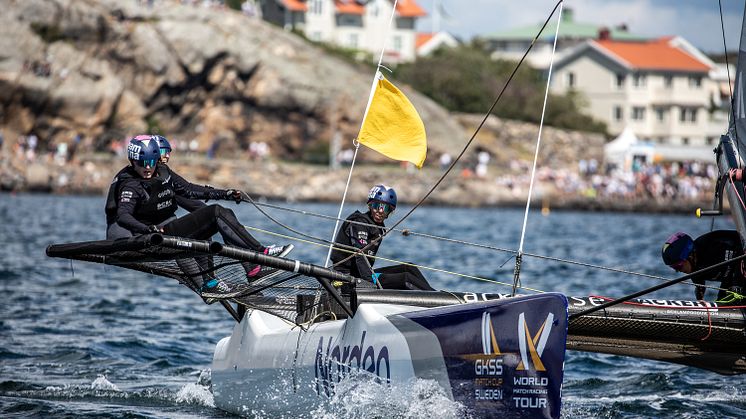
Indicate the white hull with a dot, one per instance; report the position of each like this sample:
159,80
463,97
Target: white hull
272,367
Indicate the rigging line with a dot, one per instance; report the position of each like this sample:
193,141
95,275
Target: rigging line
725,50
409,232
517,276
657,287
365,115
468,143
533,255
385,259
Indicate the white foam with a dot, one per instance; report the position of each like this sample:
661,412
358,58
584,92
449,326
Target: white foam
101,383
362,396
195,394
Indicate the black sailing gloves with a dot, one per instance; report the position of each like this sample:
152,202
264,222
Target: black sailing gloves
234,195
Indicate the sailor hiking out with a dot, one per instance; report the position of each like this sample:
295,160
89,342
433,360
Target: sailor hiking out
364,230
146,195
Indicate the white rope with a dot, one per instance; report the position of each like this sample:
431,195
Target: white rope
376,77
538,140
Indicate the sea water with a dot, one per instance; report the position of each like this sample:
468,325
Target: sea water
86,340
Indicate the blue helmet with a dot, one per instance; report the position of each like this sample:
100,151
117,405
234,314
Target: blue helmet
383,193
163,143
677,249
143,150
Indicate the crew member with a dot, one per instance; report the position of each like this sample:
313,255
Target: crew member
190,205
146,203
364,230
685,255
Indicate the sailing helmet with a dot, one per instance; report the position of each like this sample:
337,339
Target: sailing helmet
163,144
677,248
143,150
383,193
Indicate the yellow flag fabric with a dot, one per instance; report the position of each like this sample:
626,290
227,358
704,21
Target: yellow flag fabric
393,127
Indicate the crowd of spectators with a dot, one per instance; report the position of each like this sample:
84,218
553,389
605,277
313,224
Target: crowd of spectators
689,180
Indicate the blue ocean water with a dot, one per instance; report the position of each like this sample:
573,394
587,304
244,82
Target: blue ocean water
86,340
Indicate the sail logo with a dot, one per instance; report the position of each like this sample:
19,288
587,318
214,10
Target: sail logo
531,346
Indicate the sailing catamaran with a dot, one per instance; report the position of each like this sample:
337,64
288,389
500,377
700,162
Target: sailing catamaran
307,328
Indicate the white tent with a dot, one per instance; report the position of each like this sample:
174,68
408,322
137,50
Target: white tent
625,148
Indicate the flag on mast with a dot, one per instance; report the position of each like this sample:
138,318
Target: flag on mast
392,126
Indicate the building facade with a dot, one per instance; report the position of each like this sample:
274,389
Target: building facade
354,24
661,89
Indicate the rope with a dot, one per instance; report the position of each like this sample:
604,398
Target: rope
408,232
342,204
468,143
517,270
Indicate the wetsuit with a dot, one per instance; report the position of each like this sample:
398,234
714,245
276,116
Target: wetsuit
142,203
715,247
357,236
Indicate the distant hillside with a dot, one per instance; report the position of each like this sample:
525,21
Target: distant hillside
111,69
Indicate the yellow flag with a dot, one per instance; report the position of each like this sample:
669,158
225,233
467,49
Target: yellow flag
392,125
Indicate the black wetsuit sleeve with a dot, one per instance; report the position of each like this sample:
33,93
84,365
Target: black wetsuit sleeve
190,205
128,198
189,190
360,261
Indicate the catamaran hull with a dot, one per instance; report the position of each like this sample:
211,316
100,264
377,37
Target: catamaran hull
496,358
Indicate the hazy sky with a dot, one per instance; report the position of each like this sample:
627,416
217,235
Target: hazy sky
698,21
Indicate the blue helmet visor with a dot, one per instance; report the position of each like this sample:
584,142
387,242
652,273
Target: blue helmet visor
378,206
146,163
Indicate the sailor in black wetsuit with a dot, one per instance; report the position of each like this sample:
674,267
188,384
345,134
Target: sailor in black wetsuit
189,205
685,255
145,201
360,230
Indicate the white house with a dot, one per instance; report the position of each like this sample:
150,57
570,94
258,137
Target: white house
660,88
426,43
354,24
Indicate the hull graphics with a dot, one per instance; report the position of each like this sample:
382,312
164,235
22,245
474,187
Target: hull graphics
498,358
503,360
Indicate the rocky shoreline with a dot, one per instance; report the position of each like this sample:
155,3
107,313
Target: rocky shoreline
294,182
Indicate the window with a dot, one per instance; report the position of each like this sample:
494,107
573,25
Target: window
668,81
316,7
620,79
710,140
685,141
316,36
618,113
695,82
661,114
353,41
570,79
639,80
638,113
397,43
688,115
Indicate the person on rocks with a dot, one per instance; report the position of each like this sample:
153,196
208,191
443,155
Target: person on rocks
364,230
144,202
686,255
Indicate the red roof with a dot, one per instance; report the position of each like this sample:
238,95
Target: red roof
422,39
409,8
295,5
658,54
349,7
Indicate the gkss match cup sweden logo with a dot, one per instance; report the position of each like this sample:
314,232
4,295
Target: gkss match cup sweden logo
504,357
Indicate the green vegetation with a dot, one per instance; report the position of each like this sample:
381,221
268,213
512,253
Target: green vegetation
467,80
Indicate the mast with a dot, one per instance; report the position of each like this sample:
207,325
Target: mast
733,145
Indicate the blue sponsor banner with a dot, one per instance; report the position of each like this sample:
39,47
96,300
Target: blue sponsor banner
504,358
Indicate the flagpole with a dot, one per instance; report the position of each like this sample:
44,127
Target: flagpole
357,144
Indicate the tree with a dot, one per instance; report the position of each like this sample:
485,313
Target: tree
466,79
